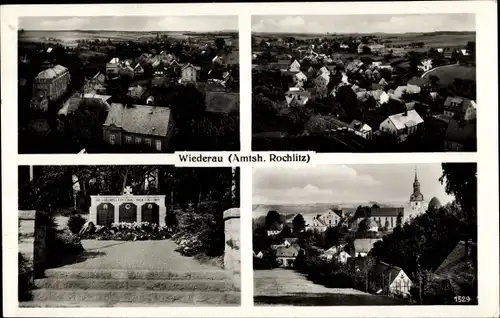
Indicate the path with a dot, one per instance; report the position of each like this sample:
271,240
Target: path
140,273
288,287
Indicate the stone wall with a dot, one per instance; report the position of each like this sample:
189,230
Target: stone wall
232,253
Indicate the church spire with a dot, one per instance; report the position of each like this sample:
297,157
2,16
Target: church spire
416,179
416,196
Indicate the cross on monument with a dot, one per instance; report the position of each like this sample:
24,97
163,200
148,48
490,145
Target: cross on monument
127,190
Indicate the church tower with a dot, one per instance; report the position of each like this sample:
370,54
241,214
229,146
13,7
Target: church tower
416,199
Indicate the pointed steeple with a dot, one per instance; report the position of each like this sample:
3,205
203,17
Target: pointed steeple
416,196
416,179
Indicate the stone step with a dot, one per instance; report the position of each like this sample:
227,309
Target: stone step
136,297
81,273
75,304
137,284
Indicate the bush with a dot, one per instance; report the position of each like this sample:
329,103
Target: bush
75,223
129,232
25,280
64,245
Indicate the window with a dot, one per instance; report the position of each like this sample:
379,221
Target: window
137,140
128,139
148,142
158,145
112,139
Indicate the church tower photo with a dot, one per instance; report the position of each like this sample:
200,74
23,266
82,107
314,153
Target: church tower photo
416,198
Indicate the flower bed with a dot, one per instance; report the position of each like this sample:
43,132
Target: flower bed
128,232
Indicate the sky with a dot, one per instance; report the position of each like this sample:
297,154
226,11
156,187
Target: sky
364,23
130,23
383,183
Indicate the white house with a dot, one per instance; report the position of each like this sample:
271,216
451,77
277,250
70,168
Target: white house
331,218
380,96
401,124
113,67
322,80
295,66
391,279
470,112
299,78
190,73
361,129
324,70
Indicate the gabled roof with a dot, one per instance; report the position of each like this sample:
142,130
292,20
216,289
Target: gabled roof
460,255
406,119
140,119
458,103
275,227
189,65
388,272
290,251
52,72
114,60
385,212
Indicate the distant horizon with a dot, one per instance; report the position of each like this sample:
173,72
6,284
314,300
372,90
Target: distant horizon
189,23
144,31
364,23
343,33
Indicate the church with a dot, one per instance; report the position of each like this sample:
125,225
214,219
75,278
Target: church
417,203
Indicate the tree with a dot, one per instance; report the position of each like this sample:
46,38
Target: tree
364,225
299,224
434,203
434,80
333,236
287,231
272,217
220,43
367,50
471,48
399,219
460,180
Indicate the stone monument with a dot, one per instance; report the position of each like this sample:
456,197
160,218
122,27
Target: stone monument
232,253
108,209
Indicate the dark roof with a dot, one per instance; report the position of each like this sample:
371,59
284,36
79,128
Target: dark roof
222,102
139,119
386,211
461,132
275,227
384,272
291,240
457,103
457,258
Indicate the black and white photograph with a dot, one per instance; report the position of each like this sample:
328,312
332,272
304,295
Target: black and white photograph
128,84
365,234
128,236
364,83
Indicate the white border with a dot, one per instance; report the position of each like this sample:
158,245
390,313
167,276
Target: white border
486,21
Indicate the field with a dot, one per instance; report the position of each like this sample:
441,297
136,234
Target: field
447,74
435,39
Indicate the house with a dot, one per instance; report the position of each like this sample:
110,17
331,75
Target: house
174,69
297,97
140,125
218,59
336,253
136,91
460,107
190,73
102,100
299,78
363,246
324,70
385,217
317,224
380,96
360,129
274,229
376,48
51,83
286,255
127,70
460,135
330,217
295,66
113,67
460,258
322,80
138,69
390,279
420,82
405,123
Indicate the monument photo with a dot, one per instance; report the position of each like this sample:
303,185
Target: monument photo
111,236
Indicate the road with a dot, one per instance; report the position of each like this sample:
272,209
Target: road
288,287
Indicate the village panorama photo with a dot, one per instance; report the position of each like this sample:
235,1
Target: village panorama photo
122,236
364,83
352,235
128,84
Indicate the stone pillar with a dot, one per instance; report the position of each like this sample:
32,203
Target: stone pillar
117,212
232,253
139,212
31,173
93,210
162,211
